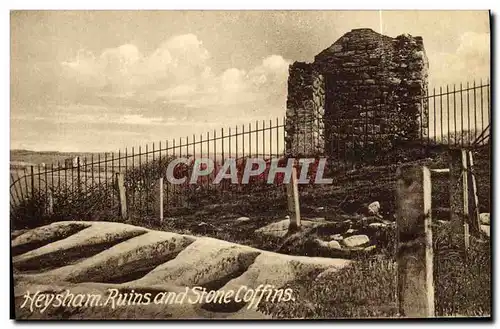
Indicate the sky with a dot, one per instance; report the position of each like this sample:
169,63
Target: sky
105,80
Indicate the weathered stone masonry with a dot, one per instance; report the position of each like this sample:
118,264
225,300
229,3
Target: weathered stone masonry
362,95
305,109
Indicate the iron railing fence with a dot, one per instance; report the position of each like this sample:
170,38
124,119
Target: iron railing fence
454,116
385,130
142,166
460,115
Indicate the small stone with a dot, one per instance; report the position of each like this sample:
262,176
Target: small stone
322,243
378,225
370,248
485,229
202,224
326,273
395,81
243,219
334,245
371,219
356,240
337,237
276,229
484,218
350,231
374,208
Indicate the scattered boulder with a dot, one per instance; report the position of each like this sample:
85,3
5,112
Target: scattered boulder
321,243
351,231
377,225
485,229
337,237
356,240
370,248
280,229
347,222
330,245
243,219
374,208
370,219
328,273
395,81
484,218
334,245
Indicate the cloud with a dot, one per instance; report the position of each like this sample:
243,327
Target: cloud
125,68
469,61
175,76
137,119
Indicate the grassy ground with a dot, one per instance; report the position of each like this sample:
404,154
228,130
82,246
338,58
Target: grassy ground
365,290
368,288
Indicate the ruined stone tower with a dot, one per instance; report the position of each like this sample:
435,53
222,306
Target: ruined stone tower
362,95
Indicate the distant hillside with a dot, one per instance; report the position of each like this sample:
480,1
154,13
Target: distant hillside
28,158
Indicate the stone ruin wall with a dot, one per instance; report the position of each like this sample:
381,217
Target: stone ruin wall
362,95
305,110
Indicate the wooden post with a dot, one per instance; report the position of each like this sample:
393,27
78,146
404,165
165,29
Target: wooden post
458,195
415,250
465,193
429,248
292,191
161,199
32,183
120,181
78,178
474,201
50,203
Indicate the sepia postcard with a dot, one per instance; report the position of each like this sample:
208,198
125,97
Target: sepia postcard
250,165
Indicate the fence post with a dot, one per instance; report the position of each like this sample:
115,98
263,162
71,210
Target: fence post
161,199
465,192
120,181
474,210
458,196
78,179
292,191
50,203
32,183
414,245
